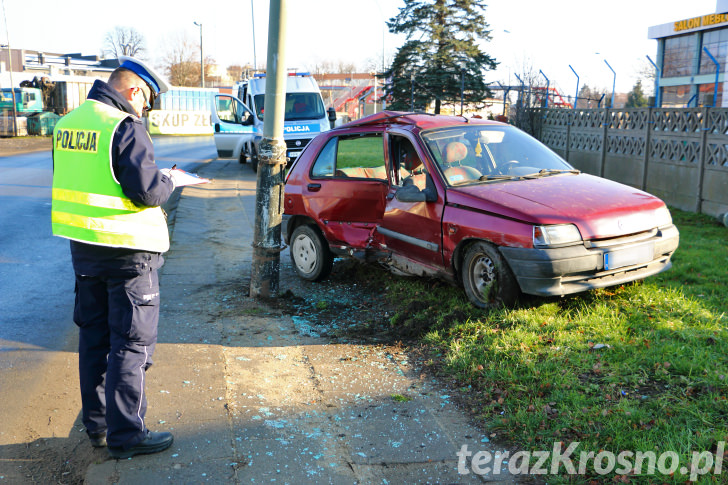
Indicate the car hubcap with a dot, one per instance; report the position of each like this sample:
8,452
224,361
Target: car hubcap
305,253
483,276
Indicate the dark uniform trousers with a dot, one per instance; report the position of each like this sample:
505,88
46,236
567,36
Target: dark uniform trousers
118,320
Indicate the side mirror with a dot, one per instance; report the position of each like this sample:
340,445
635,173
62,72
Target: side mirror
332,116
248,120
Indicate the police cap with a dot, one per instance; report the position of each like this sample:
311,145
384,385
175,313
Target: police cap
155,82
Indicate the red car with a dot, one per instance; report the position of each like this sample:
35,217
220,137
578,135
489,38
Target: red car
478,203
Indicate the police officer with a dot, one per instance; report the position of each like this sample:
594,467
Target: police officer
107,193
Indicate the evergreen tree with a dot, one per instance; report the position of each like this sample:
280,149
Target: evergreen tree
636,98
440,53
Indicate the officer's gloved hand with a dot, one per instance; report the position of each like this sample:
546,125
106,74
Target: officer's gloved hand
170,174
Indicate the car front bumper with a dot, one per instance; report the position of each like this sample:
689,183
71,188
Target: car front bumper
562,271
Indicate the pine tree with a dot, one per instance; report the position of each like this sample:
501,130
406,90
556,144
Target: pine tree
441,47
636,98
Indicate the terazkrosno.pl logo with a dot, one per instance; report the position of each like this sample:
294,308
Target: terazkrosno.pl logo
581,463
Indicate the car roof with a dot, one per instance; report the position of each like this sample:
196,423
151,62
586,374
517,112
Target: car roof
421,120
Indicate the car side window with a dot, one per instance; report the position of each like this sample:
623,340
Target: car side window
226,109
353,156
325,165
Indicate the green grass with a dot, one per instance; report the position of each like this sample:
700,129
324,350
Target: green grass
640,367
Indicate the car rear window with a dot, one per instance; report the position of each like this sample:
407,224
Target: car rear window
359,156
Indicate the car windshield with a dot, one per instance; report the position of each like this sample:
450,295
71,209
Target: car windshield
299,106
476,154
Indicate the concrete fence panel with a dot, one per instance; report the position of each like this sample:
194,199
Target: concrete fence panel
677,154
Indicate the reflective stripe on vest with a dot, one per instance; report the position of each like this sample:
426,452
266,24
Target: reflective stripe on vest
88,204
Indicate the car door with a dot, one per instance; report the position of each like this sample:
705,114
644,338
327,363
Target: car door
411,227
346,187
233,124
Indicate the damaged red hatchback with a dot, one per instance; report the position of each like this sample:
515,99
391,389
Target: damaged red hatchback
478,203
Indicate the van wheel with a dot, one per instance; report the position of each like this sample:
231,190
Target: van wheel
487,279
310,253
254,158
243,157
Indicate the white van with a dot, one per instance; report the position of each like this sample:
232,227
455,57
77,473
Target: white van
238,120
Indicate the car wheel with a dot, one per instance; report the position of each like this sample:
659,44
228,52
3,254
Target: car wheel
487,279
310,253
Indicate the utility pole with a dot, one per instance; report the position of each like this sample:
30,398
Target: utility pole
272,158
202,58
12,91
10,64
252,16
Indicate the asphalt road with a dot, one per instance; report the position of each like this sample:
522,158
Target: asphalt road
36,278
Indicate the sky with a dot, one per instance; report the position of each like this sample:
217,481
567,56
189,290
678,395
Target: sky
546,36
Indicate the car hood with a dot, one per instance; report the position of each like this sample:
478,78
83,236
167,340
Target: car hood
600,208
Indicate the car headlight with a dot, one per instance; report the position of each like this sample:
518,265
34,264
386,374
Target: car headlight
662,217
556,235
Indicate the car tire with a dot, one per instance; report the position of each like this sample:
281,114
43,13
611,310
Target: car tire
310,253
254,158
486,277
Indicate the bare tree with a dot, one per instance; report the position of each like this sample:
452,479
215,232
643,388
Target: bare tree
236,72
530,93
328,67
124,41
646,71
181,60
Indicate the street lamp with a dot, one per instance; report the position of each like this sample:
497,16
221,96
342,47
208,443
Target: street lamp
506,90
548,83
462,87
614,81
412,91
717,73
576,97
202,58
519,102
657,85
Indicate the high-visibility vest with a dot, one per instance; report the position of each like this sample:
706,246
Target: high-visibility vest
88,204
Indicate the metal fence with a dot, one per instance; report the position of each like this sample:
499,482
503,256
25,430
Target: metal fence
677,154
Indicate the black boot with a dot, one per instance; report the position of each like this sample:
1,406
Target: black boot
153,443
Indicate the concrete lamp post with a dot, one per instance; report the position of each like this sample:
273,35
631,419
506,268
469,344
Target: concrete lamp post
202,58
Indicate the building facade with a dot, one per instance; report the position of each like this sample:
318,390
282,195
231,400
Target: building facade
691,59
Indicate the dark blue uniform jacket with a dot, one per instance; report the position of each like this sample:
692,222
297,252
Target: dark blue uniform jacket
132,159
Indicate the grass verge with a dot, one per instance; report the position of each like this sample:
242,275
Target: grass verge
639,368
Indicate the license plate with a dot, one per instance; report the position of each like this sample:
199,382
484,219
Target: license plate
628,257
293,154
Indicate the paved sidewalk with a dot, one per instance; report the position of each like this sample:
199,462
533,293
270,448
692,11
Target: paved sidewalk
253,396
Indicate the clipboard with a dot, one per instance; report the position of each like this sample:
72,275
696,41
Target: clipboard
182,178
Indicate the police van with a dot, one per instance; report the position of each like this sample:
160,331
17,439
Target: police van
238,120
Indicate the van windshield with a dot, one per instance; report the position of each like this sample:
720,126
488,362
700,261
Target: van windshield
299,106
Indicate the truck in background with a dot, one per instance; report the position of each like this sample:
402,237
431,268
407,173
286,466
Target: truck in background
238,120
27,100
40,102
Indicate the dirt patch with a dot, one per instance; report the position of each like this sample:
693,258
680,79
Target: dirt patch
24,144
